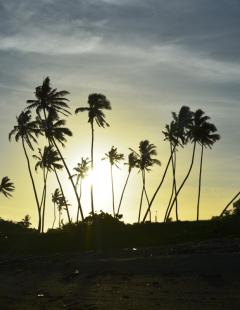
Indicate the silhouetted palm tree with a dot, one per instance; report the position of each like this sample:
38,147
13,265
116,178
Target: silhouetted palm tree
49,100
132,162
176,133
55,198
144,162
97,103
206,135
171,135
114,158
6,187
82,171
27,130
56,131
194,133
48,161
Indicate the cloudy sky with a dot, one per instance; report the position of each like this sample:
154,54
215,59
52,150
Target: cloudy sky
149,58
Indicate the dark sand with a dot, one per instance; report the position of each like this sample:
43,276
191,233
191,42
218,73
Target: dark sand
189,276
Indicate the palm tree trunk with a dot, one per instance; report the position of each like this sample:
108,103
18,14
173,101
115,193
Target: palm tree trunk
70,177
113,205
184,181
65,202
199,183
59,218
174,162
225,209
33,185
80,195
174,189
143,191
170,201
44,198
54,219
159,186
92,165
125,185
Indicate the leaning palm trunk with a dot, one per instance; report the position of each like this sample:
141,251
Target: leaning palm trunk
143,192
199,183
184,181
70,177
159,186
113,204
225,209
174,187
125,185
170,200
80,195
64,199
33,185
92,165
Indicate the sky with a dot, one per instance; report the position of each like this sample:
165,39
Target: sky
149,58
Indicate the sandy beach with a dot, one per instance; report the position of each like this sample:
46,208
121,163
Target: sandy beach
188,276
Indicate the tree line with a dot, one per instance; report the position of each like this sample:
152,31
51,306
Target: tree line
46,115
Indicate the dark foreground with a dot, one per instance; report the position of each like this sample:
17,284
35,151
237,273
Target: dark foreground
203,275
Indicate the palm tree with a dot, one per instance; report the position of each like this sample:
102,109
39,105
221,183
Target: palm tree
56,131
206,135
82,171
144,162
114,158
26,131
171,135
177,134
55,198
49,100
48,161
97,103
194,134
132,162
6,187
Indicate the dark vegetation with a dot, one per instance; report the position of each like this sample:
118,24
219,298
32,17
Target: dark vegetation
103,232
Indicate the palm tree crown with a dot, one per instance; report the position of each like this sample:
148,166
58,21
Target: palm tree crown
82,169
97,103
48,99
113,156
132,161
54,128
49,159
201,131
146,151
6,187
25,129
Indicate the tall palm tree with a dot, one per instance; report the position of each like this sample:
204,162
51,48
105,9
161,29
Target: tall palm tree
6,187
194,134
144,162
206,135
56,132
55,198
26,131
49,100
177,130
171,135
97,103
48,161
81,172
132,162
114,158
